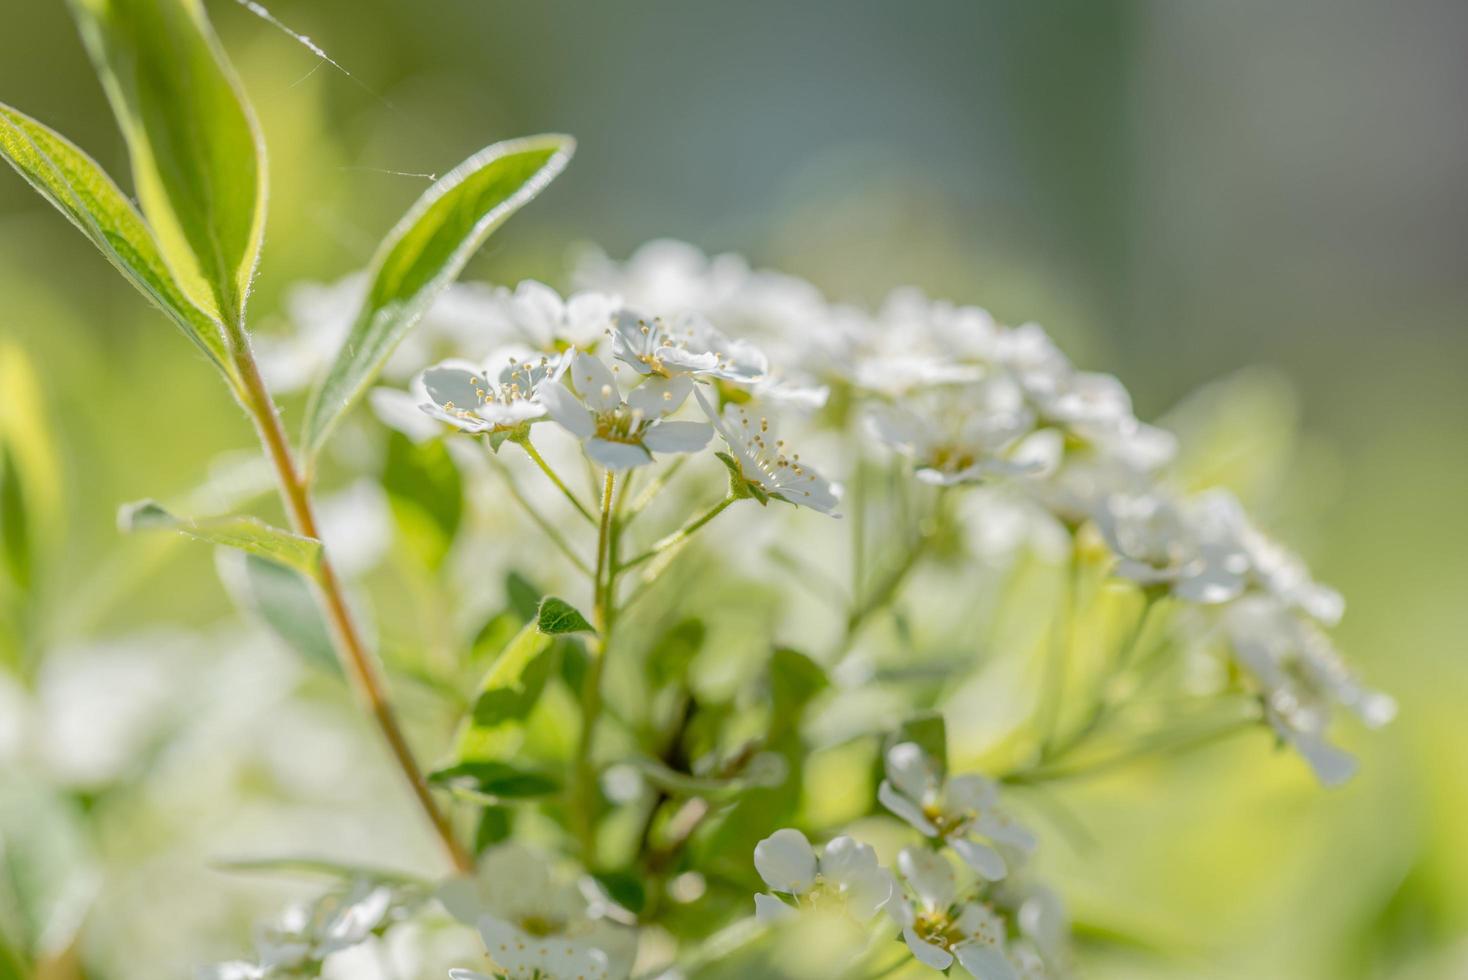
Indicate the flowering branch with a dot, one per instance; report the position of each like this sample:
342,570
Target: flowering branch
295,494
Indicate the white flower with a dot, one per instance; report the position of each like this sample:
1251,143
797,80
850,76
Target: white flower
620,433
234,970
940,928
1282,574
763,464
688,345
844,876
535,314
461,394
534,927
305,935
1185,546
1302,678
956,809
964,434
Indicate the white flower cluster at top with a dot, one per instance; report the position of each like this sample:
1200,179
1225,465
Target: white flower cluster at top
964,398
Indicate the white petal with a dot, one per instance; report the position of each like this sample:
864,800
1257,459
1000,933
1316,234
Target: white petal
852,867
565,409
455,383
985,962
678,360
656,397
467,975
905,808
594,383
930,875
985,861
999,828
786,861
678,436
769,910
926,953
911,771
1332,766
617,455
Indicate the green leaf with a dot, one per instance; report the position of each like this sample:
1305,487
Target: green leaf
423,255
281,599
198,167
496,779
248,534
558,616
426,494
508,671
625,887
77,187
493,729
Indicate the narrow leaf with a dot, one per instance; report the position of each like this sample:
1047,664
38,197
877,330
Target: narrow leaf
424,254
495,779
558,616
78,188
245,533
197,163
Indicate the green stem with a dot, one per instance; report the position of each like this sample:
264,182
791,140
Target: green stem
584,801
679,536
539,460
351,649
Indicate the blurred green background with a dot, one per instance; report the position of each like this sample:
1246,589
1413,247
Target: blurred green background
1178,190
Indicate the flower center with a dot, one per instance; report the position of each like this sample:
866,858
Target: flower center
621,424
939,929
952,459
541,925
948,822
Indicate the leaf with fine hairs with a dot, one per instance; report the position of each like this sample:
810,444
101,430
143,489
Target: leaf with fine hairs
247,534
197,159
79,188
423,255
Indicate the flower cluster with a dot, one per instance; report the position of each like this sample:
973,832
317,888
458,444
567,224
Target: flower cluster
993,926
299,942
671,352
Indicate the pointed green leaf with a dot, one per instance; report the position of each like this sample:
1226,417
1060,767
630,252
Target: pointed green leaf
496,779
424,254
78,188
245,533
559,616
197,163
